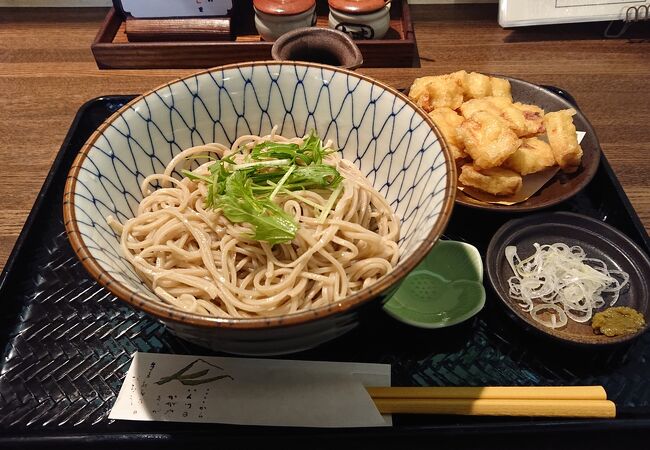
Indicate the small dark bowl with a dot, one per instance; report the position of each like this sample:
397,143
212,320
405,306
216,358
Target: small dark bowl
598,239
319,45
561,186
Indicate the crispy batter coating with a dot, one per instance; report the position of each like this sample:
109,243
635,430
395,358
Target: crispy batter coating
500,88
438,91
492,139
534,118
496,181
448,121
562,136
460,77
488,139
524,120
492,105
477,85
533,156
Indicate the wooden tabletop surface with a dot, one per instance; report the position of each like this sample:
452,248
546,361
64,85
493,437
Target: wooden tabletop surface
47,71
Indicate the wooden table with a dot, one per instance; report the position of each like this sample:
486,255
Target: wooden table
47,71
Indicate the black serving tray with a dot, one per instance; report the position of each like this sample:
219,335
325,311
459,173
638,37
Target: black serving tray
68,343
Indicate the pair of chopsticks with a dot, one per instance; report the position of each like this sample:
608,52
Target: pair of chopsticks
537,401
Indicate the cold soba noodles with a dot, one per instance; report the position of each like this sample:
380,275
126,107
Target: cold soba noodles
268,226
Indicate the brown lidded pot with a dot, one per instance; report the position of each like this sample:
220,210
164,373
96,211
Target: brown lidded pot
361,19
273,18
357,6
283,7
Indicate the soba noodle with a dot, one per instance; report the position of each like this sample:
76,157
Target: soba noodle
197,260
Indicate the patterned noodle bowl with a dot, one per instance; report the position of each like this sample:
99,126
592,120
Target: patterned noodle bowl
393,142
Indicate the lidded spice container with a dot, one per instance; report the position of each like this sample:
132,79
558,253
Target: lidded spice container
361,19
273,18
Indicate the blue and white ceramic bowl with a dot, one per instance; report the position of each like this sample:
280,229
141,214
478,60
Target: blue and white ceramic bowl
391,140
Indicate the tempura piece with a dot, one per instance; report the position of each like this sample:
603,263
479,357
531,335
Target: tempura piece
502,107
496,181
448,120
490,104
438,91
460,76
477,85
488,139
562,136
500,88
534,118
533,156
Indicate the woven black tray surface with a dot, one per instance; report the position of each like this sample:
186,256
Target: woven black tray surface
68,342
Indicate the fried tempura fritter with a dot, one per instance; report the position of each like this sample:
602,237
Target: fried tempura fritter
488,139
534,118
493,140
524,120
477,85
448,121
490,104
496,181
562,136
438,91
533,156
500,88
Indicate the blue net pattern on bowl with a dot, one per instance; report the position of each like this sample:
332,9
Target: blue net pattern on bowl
383,135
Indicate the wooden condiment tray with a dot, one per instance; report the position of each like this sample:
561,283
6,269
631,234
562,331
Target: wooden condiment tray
112,49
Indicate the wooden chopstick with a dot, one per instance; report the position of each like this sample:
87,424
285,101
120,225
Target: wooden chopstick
493,392
542,401
497,407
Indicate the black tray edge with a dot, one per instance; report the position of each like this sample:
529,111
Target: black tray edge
17,440
553,429
629,209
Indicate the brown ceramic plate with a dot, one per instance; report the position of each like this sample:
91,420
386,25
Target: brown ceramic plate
562,186
598,239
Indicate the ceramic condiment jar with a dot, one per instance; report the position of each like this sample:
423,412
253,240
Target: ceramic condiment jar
361,19
273,18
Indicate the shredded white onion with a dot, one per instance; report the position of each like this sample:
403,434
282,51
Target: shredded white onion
559,282
557,317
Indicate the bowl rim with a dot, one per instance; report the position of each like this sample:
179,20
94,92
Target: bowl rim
167,313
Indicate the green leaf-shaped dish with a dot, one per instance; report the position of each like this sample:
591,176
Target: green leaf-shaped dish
445,289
